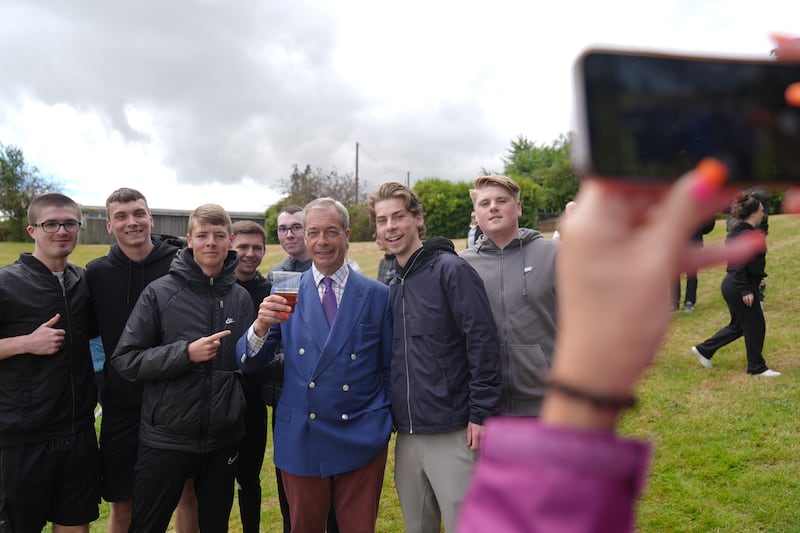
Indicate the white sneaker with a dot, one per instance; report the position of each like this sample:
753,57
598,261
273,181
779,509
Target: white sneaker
705,361
769,373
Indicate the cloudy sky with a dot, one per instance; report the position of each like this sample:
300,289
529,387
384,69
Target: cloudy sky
211,100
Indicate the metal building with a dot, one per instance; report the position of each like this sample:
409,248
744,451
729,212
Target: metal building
166,221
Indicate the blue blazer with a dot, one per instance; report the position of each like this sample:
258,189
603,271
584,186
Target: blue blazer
334,414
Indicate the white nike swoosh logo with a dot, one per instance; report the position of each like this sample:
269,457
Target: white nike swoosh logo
229,321
232,460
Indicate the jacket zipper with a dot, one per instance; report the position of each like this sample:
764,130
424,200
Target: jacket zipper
406,272
70,349
207,373
504,355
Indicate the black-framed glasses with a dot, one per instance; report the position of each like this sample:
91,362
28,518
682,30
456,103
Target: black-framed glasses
51,226
294,229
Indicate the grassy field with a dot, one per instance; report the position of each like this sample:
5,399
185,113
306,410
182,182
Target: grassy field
726,447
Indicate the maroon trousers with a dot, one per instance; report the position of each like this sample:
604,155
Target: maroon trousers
355,495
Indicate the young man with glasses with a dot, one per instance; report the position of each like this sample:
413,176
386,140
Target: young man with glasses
292,239
49,461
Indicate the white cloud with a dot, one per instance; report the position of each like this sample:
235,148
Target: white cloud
215,101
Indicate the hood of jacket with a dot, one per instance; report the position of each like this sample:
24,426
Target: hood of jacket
427,253
163,246
186,268
485,245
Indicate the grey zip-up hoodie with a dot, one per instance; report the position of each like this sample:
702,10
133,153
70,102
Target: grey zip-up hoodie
520,283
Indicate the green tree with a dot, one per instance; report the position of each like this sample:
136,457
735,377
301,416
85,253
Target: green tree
20,183
305,185
548,166
446,206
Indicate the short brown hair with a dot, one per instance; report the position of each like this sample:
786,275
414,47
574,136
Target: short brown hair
211,214
248,227
495,180
50,199
393,189
124,195
291,209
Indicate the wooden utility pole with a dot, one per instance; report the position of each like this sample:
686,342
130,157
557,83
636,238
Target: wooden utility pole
356,172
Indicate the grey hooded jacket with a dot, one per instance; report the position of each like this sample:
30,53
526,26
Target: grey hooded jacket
520,283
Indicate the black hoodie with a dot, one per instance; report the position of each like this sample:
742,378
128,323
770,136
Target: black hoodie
115,283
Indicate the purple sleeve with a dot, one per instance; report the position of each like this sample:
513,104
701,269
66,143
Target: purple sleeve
533,477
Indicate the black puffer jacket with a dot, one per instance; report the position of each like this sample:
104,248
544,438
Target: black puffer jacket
116,283
445,352
187,406
45,397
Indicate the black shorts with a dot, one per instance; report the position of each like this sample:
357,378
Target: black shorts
119,445
51,481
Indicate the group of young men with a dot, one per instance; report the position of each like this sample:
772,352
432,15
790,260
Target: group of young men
197,346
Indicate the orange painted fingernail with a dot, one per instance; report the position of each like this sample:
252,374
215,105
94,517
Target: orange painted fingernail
793,94
711,176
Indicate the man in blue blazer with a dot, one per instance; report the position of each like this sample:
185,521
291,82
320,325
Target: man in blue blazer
333,418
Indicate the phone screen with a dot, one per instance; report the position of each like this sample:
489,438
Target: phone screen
653,117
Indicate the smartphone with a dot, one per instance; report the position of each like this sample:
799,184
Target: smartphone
648,116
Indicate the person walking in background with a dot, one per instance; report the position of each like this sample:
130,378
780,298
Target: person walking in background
445,362
690,298
474,232
740,290
116,280
569,208
49,461
517,266
333,419
249,242
193,405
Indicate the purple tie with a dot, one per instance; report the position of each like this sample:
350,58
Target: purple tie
329,301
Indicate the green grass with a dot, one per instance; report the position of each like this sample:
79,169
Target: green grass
726,448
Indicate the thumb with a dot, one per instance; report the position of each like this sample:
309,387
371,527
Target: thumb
53,321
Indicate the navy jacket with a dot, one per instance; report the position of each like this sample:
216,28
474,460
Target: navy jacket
445,356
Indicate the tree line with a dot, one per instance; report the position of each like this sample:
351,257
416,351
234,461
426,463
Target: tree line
544,173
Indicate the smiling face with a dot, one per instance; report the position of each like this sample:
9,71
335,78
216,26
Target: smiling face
497,213
250,247
326,239
52,249
397,228
131,224
210,244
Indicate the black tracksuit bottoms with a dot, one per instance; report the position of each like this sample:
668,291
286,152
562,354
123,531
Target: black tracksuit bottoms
161,475
745,321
